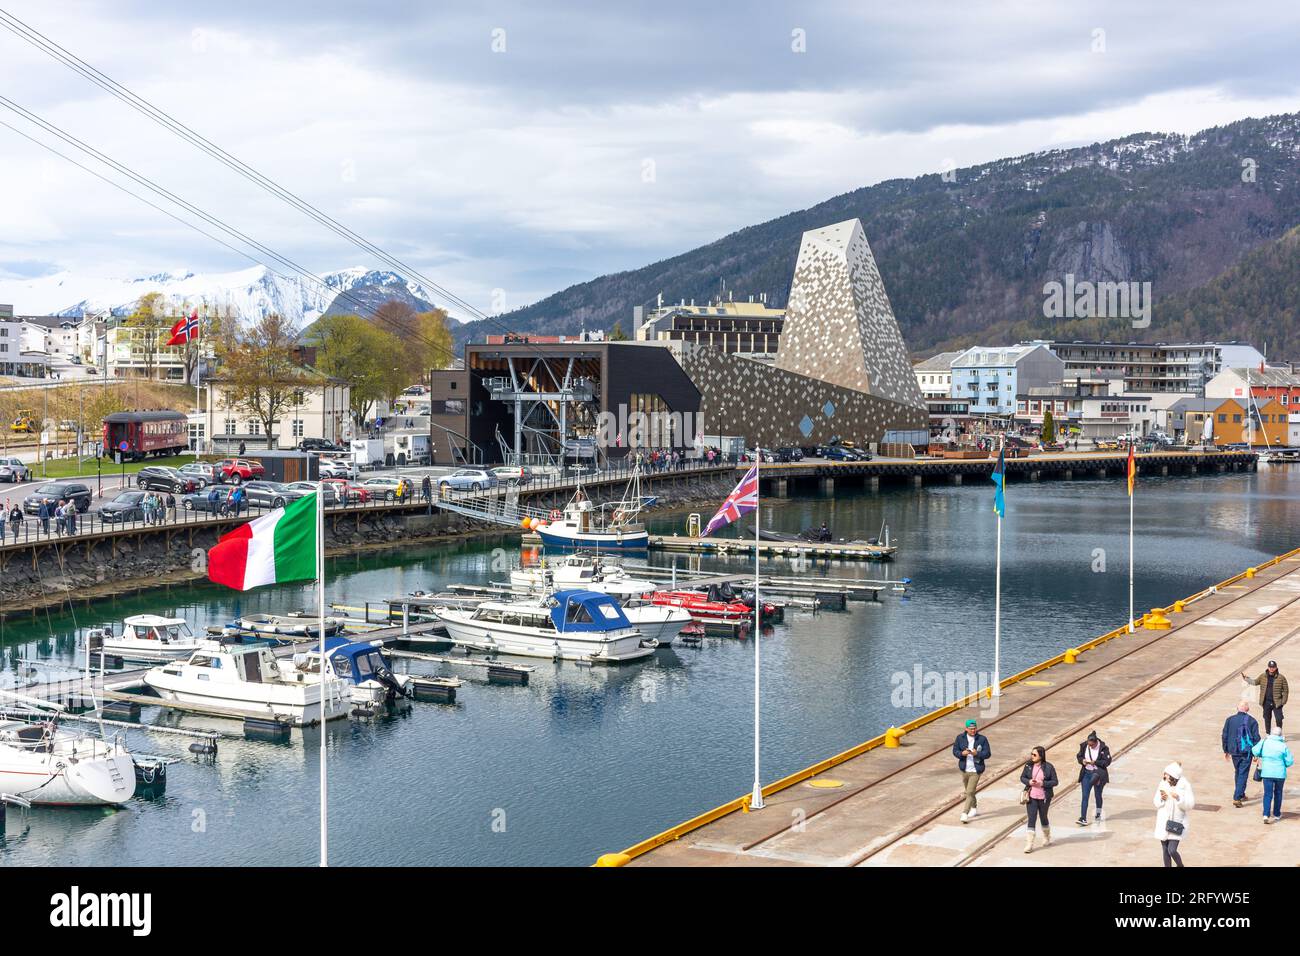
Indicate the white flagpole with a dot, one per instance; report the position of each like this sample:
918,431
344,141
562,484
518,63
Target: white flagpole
1130,555
997,613
756,800
320,635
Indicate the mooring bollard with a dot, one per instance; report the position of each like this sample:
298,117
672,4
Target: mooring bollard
892,737
1072,655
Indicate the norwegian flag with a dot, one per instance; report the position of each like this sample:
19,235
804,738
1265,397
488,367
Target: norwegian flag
742,500
185,330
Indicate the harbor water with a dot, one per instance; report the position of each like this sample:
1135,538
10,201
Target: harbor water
586,760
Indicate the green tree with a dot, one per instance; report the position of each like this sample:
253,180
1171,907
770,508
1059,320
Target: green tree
1049,428
616,334
362,355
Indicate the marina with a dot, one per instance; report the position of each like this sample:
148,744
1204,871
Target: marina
835,609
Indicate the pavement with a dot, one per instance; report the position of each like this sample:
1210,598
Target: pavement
1154,696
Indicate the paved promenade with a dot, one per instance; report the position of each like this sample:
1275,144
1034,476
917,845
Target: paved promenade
1154,696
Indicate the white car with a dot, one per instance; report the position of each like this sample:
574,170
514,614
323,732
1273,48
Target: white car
332,468
468,479
309,487
11,470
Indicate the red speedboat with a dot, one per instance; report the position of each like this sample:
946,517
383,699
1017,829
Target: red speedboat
714,604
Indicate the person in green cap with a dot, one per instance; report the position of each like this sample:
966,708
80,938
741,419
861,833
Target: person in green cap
971,748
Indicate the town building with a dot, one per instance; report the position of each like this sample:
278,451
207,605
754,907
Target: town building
319,408
934,375
22,346
1159,366
991,378
750,328
1261,384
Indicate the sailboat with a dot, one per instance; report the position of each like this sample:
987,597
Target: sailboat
583,525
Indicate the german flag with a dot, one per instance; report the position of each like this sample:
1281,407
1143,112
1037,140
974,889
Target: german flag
1132,469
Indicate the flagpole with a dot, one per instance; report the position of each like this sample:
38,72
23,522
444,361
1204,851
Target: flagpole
756,799
997,619
1132,467
320,634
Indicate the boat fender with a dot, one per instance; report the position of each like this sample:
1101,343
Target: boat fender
555,515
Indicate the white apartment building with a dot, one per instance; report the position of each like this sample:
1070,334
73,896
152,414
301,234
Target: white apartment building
1157,366
934,375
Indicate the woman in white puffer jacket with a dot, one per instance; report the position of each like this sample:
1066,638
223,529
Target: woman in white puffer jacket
1172,801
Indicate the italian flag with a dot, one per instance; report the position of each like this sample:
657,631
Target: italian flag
277,547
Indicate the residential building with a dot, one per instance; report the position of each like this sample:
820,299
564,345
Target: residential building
319,409
22,347
1159,366
934,375
991,378
1233,421
139,351
1114,416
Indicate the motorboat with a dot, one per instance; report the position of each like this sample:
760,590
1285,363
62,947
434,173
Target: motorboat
44,763
148,638
293,626
362,666
583,525
576,625
584,570
248,681
659,624
714,603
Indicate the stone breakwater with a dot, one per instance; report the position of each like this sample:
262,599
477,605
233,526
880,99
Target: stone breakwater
58,571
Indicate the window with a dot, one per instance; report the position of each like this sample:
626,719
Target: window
297,428
230,426
254,427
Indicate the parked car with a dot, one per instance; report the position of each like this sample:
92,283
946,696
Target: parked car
319,444
789,454
199,500
204,472
333,468
513,474
309,487
383,487
12,470
57,491
768,456
239,470
468,479
126,506
270,494
351,493
837,453
163,478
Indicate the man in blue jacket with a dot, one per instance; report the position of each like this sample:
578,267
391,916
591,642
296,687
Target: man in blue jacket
1240,734
971,748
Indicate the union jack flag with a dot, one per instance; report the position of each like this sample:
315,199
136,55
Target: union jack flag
185,330
742,500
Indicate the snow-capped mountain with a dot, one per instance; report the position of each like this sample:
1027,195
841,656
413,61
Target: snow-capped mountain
249,293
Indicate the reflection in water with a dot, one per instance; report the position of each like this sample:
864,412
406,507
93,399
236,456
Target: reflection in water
585,760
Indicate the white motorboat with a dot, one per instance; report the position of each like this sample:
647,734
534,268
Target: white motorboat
44,763
361,666
583,570
567,625
246,680
150,638
657,623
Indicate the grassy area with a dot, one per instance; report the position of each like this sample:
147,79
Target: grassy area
67,467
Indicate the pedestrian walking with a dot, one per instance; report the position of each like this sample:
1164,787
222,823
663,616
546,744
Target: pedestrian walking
171,506
971,748
1094,758
1273,693
43,513
72,516
15,522
426,488
214,500
1038,777
1172,801
61,515
1240,734
1273,756
243,449
237,498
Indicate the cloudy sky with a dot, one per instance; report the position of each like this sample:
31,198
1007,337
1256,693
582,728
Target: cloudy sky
524,146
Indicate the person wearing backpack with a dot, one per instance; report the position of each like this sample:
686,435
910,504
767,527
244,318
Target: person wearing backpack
1273,757
1240,734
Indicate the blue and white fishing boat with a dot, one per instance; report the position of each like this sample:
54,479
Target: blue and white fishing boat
567,625
583,525
361,666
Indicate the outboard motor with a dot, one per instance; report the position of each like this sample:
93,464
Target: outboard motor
385,677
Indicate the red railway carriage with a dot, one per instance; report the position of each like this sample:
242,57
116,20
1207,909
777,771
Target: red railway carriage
146,433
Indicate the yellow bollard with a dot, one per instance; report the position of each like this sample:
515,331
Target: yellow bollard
1250,572
892,736
614,859
1072,655
1178,607
1156,620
